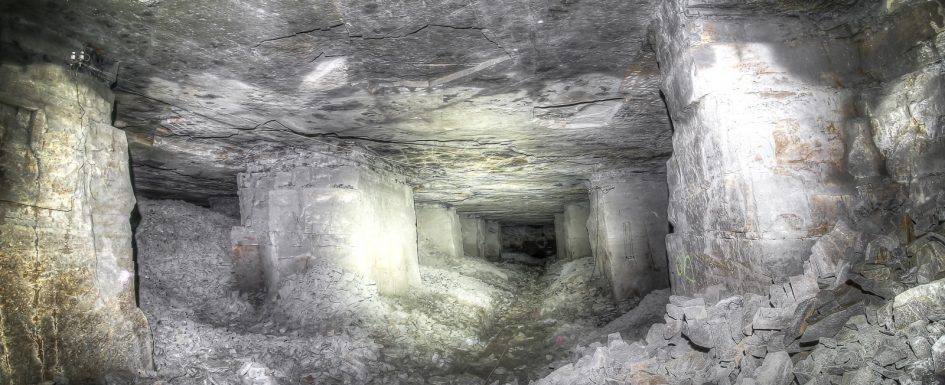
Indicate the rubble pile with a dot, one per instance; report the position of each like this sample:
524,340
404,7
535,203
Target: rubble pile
185,263
324,299
326,325
871,317
190,352
575,290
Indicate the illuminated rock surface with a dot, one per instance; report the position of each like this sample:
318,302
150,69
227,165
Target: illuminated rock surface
67,279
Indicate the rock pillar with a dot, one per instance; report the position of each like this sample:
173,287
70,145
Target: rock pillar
627,228
474,235
574,231
757,103
324,207
67,303
439,234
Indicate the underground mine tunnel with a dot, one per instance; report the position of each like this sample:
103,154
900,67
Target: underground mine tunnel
263,192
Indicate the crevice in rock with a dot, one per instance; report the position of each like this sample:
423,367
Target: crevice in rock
321,29
578,103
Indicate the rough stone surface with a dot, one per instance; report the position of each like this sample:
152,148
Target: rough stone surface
783,126
185,261
67,304
775,370
574,237
920,303
439,234
473,228
627,227
493,237
315,206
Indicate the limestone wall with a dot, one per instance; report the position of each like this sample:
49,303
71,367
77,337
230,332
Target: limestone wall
574,236
493,236
783,127
559,235
474,235
439,234
627,228
294,211
67,304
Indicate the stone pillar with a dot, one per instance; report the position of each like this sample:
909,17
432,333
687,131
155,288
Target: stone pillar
576,242
474,235
439,234
627,227
757,102
493,236
67,303
329,208
560,238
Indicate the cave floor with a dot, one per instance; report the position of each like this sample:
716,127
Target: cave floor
521,341
537,315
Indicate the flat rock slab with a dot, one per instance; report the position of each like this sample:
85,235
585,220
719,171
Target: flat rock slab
919,303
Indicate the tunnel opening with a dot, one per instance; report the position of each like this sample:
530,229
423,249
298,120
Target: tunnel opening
528,242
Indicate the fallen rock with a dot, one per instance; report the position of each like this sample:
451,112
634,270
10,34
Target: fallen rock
938,355
829,325
776,369
929,254
772,318
861,376
919,303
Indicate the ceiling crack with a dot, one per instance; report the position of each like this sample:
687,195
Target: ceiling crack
328,28
579,103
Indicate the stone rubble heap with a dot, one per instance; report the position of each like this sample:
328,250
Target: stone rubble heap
876,317
184,261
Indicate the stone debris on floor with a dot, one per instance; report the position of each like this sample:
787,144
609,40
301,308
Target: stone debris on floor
471,322
876,317
878,320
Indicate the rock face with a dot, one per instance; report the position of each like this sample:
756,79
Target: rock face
627,227
67,304
574,236
919,303
473,228
313,206
439,234
493,235
771,149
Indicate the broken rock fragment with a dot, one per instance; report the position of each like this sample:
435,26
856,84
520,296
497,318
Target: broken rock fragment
777,369
919,303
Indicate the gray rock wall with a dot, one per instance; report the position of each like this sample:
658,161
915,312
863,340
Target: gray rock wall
559,235
627,228
785,122
493,235
318,206
474,235
903,107
439,234
574,235
67,304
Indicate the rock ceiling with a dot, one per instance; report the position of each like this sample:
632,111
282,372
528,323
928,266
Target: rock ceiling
498,107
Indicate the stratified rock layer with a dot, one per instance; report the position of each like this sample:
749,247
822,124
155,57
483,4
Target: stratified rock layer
67,305
786,122
304,207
